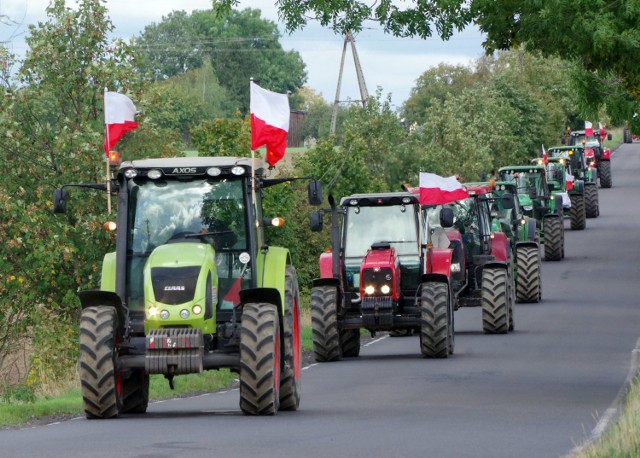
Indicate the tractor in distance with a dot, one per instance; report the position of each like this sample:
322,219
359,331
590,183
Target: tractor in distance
381,275
583,172
523,237
483,273
538,203
191,286
597,155
564,184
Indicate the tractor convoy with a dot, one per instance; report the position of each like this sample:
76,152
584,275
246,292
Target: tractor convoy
192,284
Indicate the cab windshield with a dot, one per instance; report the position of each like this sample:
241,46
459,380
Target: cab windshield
198,211
394,224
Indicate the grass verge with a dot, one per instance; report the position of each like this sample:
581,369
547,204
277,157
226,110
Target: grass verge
622,439
15,410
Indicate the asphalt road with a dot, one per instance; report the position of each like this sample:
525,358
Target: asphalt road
537,392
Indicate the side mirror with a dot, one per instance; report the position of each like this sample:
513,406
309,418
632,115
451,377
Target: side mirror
60,201
316,221
609,136
507,201
446,217
533,193
563,141
314,190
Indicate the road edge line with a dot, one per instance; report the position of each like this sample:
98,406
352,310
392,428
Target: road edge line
614,411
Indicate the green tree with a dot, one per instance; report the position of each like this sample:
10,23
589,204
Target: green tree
434,86
51,132
239,46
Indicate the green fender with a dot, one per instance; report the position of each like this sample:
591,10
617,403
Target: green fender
272,264
108,278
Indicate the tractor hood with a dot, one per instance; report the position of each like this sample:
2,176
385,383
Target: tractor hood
380,269
175,273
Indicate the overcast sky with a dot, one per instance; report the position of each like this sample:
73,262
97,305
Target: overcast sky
392,64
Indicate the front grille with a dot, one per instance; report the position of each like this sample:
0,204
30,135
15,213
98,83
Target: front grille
174,285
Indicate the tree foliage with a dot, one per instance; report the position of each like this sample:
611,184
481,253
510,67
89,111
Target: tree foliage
239,46
51,132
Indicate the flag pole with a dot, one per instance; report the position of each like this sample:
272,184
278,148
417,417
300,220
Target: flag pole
107,158
253,166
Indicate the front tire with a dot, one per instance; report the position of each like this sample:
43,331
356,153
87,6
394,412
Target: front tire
578,214
135,392
324,323
553,239
605,174
101,385
528,279
260,359
495,300
435,321
591,201
290,379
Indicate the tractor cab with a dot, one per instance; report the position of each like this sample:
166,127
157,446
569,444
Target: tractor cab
190,263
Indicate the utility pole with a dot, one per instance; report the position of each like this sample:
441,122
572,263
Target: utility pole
364,94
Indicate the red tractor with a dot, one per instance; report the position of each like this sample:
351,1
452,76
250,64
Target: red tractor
385,272
483,265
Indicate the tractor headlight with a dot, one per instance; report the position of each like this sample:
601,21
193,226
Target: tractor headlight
131,173
237,170
153,311
164,314
184,314
154,174
385,289
369,290
528,208
197,310
213,171
455,267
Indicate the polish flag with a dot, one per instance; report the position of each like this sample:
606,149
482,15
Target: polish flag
119,117
269,122
436,190
588,129
545,157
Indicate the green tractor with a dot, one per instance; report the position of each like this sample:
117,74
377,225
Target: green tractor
582,171
523,238
191,286
537,202
564,184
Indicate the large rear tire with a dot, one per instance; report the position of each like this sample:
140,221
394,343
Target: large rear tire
435,321
324,324
135,392
495,300
260,359
101,385
578,214
350,342
290,379
553,239
592,209
528,278
605,174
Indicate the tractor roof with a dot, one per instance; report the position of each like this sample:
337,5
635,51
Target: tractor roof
523,168
477,189
191,166
380,199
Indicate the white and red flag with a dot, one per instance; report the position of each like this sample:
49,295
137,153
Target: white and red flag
588,129
436,190
269,122
119,118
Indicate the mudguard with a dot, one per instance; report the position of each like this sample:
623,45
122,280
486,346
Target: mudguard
527,243
272,264
108,277
500,246
326,265
439,262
